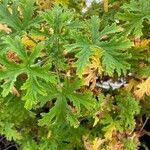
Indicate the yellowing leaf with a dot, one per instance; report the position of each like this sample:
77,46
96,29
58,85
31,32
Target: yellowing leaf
95,121
97,143
62,2
96,64
110,128
143,88
92,145
131,85
91,78
140,44
31,42
15,91
45,4
93,69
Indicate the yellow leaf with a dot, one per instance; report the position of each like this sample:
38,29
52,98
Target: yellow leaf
140,44
45,4
95,121
97,143
93,69
62,2
96,64
131,85
109,131
31,42
49,134
143,88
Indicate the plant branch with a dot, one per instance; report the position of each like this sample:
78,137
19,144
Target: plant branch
105,6
144,124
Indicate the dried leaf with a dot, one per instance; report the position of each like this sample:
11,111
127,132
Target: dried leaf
15,91
143,88
87,144
92,145
97,143
91,78
5,28
91,71
140,44
12,56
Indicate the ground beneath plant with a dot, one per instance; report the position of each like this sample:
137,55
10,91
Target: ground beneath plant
11,145
7,145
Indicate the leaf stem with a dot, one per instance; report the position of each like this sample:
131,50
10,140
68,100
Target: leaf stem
144,124
105,6
32,39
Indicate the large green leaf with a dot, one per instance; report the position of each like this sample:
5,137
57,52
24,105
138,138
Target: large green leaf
134,14
114,58
113,50
35,72
62,110
19,15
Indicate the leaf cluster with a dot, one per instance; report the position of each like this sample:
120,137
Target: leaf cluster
52,57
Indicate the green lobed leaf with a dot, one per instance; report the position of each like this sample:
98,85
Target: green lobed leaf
61,110
58,18
114,55
134,14
18,21
16,46
129,107
34,72
114,58
33,88
83,60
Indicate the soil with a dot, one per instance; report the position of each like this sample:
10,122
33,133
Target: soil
145,139
7,145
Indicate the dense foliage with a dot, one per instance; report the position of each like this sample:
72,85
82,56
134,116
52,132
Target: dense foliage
54,59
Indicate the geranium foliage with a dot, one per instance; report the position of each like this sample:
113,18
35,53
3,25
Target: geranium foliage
74,76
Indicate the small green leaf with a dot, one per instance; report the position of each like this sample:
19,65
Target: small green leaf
83,60
33,88
129,107
8,85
